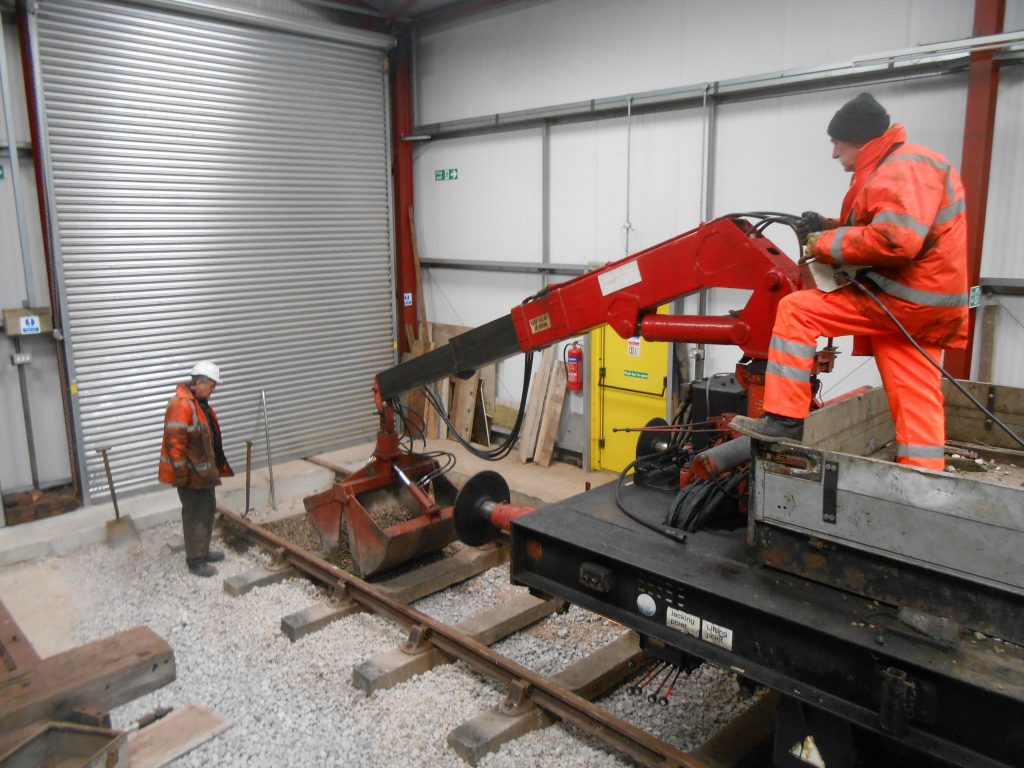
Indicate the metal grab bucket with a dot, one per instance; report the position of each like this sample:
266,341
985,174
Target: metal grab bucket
374,548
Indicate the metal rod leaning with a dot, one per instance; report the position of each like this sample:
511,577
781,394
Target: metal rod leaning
270,456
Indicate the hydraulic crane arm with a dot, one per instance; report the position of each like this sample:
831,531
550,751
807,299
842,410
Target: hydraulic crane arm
724,253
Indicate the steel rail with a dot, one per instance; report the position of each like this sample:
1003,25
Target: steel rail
551,697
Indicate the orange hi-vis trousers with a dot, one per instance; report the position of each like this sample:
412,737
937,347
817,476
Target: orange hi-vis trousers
911,383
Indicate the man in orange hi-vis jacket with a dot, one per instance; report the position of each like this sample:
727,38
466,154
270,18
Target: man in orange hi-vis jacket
192,459
903,230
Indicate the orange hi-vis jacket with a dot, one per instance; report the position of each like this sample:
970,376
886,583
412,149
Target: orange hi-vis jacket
904,217
187,455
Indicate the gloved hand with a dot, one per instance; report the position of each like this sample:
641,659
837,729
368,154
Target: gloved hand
811,251
808,222
181,478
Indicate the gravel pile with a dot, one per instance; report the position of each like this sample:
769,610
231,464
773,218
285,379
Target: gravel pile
294,703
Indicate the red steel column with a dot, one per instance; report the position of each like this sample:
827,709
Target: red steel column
976,163
401,125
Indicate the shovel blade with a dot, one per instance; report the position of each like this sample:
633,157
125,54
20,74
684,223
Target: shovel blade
121,533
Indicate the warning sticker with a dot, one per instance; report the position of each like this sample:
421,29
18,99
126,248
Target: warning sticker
540,323
685,622
633,346
621,277
717,635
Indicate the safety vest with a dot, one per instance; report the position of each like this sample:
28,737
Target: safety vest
187,457
904,216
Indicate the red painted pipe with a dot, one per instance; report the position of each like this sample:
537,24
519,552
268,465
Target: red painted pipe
402,124
694,329
976,161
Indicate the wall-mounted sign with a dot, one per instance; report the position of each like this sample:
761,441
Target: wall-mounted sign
446,174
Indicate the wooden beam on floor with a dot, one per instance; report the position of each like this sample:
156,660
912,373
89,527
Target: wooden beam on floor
171,737
16,652
104,674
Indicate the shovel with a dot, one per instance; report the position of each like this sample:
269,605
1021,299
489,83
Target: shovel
121,531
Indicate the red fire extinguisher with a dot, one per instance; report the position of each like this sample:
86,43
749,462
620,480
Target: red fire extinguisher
573,357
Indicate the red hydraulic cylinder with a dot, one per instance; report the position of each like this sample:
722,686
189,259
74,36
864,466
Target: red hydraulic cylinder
694,329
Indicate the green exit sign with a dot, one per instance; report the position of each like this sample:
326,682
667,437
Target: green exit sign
446,174
1,171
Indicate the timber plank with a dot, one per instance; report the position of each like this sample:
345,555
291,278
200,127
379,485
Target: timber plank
171,737
590,677
393,667
262,576
464,564
16,652
551,417
104,674
535,406
407,587
464,405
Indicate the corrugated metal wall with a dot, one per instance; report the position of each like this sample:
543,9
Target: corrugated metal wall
221,192
768,154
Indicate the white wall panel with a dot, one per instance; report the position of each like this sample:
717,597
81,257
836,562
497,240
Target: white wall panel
492,210
538,52
588,185
1004,223
471,298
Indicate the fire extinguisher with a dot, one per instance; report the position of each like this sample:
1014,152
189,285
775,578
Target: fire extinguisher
573,357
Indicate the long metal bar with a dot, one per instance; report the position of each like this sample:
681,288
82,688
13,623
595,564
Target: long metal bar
26,409
506,266
12,152
270,456
930,63
549,696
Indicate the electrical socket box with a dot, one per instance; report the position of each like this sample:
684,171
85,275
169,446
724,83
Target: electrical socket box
29,321
21,358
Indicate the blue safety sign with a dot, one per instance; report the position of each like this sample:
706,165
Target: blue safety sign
28,324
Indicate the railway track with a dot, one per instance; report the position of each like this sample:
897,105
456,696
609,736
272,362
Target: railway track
532,700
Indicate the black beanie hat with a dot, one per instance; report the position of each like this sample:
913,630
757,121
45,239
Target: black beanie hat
859,120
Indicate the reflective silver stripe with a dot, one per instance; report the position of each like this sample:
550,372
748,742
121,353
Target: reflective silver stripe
950,212
197,425
921,451
788,372
917,296
950,191
793,347
937,164
903,220
202,465
176,464
836,251
176,425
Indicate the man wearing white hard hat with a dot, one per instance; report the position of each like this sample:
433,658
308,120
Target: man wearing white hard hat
192,459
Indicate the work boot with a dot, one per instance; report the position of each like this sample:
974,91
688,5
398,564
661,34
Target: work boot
201,568
770,427
214,556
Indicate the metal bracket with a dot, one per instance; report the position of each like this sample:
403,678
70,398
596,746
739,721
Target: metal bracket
418,640
278,562
898,700
341,596
991,405
517,699
830,485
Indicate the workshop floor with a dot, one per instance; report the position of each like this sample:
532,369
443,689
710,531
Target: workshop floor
46,597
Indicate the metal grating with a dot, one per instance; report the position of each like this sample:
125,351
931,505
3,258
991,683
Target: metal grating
220,192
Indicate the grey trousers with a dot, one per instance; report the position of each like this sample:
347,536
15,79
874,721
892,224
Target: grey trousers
198,506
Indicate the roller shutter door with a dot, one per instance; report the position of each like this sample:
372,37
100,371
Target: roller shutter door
220,191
